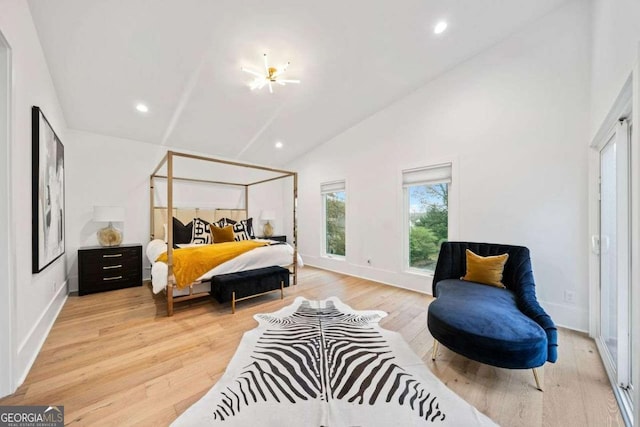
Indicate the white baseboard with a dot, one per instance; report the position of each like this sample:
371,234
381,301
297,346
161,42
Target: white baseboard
566,316
409,281
29,348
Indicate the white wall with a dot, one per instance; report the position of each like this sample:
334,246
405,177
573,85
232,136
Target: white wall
38,297
7,291
272,196
615,39
513,119
102,170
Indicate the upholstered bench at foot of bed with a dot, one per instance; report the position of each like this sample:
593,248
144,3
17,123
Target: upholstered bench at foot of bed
248,284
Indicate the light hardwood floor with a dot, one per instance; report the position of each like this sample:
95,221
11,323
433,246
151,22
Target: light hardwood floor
115,358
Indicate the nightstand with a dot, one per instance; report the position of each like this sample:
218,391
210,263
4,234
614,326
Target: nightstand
108,268
278,238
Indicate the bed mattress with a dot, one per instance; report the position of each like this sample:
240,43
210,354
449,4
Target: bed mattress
278,253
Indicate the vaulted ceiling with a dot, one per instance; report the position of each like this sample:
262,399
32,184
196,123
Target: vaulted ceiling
183,59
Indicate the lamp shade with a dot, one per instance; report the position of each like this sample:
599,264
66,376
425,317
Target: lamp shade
108,213
268,215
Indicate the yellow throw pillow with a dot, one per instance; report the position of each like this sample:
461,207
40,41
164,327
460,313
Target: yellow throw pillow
222,234
485,269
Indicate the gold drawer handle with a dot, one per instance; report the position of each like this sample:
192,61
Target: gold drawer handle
112,256
112,266
112,278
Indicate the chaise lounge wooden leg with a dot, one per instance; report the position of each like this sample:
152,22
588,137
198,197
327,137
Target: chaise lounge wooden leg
535,375
282,289
434,353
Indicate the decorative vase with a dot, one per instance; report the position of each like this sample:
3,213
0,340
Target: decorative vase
109,236
268,229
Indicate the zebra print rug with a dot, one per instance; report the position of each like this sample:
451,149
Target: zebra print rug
320,363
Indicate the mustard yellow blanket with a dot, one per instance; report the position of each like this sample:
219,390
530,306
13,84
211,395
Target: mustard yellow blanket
191,263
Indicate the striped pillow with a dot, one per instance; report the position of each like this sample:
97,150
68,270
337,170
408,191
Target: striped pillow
201,232
243,230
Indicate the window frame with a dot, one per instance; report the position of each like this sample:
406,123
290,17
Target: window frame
341,184
452,209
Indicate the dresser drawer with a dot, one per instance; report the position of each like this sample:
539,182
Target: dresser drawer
103,269
108,256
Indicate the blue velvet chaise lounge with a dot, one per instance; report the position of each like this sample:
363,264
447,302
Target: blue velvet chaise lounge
506,328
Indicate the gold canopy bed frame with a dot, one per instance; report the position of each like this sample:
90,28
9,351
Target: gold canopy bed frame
170,178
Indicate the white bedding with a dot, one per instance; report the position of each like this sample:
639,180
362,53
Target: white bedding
265,256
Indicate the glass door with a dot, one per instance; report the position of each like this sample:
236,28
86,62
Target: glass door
608,243
615,323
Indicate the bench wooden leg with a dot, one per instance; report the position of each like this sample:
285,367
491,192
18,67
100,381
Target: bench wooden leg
535,375
434,353
233,302
282,289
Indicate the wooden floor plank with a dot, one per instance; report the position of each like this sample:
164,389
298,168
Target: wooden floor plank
115,358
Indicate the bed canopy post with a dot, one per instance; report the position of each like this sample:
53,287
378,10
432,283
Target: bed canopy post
170,277
295,228
152,203
246,199
151,206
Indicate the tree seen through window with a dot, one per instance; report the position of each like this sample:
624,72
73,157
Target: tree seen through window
428,224
335,223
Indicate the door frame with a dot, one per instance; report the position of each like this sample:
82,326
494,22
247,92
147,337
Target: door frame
635,238
622,107
627,105
7,257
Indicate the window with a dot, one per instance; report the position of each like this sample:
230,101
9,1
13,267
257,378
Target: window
426,199
334,214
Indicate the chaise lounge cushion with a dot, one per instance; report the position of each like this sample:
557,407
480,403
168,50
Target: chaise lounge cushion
501,327
484,323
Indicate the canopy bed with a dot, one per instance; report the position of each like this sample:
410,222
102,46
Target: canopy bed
172,268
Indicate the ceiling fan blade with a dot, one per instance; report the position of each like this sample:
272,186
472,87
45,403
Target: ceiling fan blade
281,83
270,87
257,84
289,81
266,64
255,73
281,69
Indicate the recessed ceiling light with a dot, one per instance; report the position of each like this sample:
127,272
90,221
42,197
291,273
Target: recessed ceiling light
440,27
142,108
279,144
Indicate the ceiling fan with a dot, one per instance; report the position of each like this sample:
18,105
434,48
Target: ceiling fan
273,75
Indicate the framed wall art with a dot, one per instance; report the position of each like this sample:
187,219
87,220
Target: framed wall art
47,193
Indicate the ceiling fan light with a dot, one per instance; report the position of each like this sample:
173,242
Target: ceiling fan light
271,76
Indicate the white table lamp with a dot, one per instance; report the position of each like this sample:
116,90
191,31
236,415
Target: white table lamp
268,215
109,236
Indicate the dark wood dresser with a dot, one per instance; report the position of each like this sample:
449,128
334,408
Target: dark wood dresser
108,268
278,238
